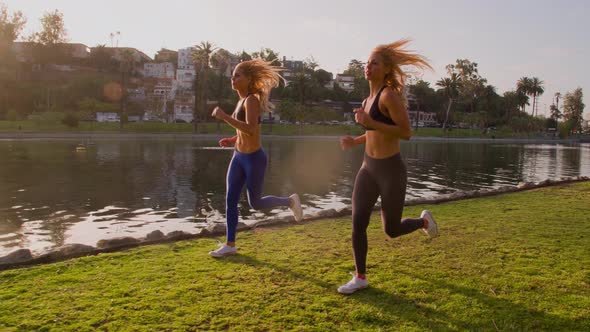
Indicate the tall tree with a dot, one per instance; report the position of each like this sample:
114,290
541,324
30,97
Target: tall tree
54,30
49,46
201,57
536,89
524,86
355,68
573,108
11,25
512,101
244,56
450,85
202,54
424,95
301,85
557,98
310,64
322,77
470,83
555,113
489,94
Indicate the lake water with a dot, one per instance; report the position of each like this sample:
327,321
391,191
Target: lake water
52,192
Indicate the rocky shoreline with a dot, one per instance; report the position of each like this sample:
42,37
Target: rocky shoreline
24,257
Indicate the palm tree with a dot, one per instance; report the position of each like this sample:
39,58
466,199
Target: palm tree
201,57
450,86
202,54
537,89
523,87
301,84
554,108
522,99
557,97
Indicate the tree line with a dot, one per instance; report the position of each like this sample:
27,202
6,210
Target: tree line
461,98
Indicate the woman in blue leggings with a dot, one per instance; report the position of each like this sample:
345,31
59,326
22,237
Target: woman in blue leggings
252,80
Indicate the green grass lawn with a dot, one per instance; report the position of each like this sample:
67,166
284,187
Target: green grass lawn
515,262
32,126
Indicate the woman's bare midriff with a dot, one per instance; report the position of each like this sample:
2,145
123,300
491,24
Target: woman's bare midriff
248,143
380,146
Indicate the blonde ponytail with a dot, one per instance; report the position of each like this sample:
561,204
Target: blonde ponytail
394,57
263,77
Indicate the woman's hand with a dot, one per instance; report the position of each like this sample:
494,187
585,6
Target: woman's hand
227,142
347,142
362,118
219,114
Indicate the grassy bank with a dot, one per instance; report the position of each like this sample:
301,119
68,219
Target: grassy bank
29,126
512,262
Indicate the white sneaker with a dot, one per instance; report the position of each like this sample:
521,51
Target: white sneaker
296,207
224,250
353,285
432,229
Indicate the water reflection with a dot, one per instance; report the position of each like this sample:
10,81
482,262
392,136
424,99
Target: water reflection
52,193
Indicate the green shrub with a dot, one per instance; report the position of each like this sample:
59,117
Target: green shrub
70,120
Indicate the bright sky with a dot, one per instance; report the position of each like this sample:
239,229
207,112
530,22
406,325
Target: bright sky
508,39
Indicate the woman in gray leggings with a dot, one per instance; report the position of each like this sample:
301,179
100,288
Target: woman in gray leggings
383,173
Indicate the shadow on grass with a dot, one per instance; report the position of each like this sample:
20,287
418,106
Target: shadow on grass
502,314
505,314
387,304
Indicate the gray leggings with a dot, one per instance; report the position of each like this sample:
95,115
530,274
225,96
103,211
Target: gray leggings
386,178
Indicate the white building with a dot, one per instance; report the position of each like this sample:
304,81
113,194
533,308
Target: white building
164,89
137,95
185,78
185,58
158,70
345,82
183,111
107,117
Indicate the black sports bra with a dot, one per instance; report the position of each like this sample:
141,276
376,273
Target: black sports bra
240,114
375,113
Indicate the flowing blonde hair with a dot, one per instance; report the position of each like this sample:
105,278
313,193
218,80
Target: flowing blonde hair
395,56
263,77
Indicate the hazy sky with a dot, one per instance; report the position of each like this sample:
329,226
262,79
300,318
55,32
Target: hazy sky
508,39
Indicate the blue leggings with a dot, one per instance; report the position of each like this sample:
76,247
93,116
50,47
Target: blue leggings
249,169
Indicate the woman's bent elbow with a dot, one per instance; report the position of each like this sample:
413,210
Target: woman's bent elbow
406,134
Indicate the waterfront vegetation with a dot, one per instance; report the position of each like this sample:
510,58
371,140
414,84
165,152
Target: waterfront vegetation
51,79
28,126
